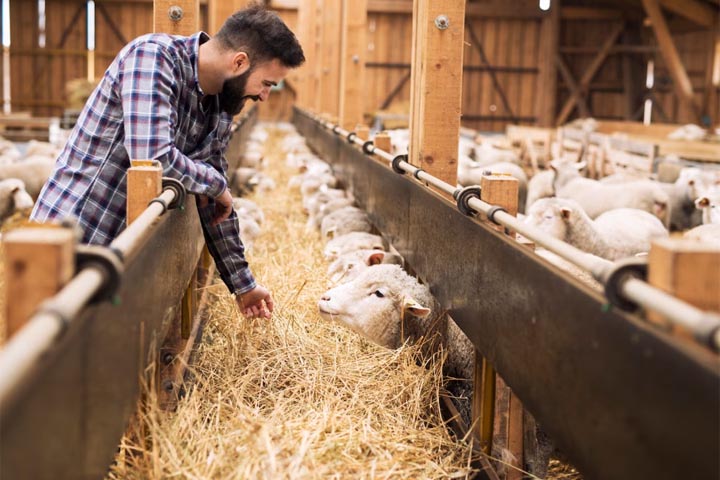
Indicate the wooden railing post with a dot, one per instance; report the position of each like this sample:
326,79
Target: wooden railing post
144,182
500,190
353,52
383,142
38,263
686,269
436,89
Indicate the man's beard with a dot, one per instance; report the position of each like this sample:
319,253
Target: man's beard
232,95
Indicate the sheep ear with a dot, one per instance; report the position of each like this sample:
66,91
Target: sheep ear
15,190
580,165
411,306
375,258
702,202
565,213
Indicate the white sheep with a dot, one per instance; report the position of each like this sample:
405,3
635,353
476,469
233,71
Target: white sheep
321,209
389,307
348,266
616,234
13,197
313,200
248,209
539,186
33,171
253,158
709,205
708,233
353,241
345,220
596,197
249,231
486,154
43,149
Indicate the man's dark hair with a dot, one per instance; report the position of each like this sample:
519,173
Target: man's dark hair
262,35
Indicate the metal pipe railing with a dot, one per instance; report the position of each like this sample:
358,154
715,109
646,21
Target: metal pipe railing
24,350
705,326
131,239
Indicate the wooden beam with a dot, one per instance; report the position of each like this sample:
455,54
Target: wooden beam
572,85
353,53
546,99
590,73
189,22
329,65
436,86
681,81
518,9
697,12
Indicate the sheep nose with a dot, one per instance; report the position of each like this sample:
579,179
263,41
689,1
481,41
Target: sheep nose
325,298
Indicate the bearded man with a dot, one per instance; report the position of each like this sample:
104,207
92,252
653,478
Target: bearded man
172,99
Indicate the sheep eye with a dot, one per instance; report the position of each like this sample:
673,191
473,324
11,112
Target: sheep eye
378,294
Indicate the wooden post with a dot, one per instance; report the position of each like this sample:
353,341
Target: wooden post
176,17
483,402
508,427
362,131
712,80
149,182
681,81
353,51
436,87
219,11
144,182
329,65
39,261
546,100
383,142
686,269
307,20
501,190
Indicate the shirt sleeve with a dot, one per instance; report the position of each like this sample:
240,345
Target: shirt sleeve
149,93
226,247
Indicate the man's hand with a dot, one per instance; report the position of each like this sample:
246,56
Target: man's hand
256,303
223,207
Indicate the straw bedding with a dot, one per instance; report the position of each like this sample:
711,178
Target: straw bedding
295,396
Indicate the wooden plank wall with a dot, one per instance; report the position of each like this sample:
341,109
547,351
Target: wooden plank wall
578,45
64,57
507,42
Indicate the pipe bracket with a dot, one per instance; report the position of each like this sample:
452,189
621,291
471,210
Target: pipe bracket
396,164
179,189
368,147
621,271
462,197
107,262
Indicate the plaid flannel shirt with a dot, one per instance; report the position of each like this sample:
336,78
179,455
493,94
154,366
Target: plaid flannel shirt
149,105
